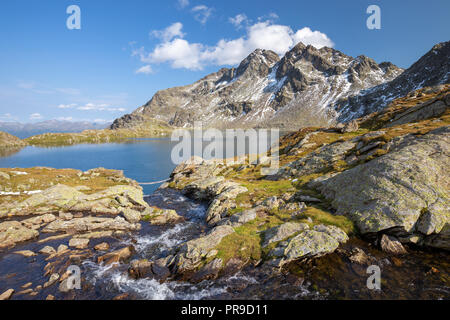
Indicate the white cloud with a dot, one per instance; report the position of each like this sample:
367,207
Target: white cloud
26,85
183,3
145,70
69,91
170,32
202,13
269,17
7,117
314,38
238,20
269,36
71,119
67,106
100,107
227,52
102,120
180,53
35,116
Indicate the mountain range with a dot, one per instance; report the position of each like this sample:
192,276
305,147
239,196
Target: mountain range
305,87
25,130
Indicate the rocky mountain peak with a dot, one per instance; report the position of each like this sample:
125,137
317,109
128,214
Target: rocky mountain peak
306,60
430,70
306,87
259,62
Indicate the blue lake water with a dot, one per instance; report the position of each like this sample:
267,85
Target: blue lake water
143,160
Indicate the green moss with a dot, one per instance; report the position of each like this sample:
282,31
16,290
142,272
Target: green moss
262,189
320,216
245,244
234,211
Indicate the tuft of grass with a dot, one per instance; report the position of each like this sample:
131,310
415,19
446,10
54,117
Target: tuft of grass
320,216
262,189
245,244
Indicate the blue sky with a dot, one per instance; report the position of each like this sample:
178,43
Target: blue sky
127,50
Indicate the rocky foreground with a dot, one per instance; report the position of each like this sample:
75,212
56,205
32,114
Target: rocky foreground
74,209
383,178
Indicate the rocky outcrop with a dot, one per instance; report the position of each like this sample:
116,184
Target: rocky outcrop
309,243
430,70
13,232
319,160
148,269
199,180
90,224
283,232
428,109
404,192
120,255
158,216
9,141
191,253
62,197
239,218
74,210
223,201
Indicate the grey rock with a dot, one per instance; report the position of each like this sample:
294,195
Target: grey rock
307,244
131,215
79,243
404,189
87,224
12,232
48,250
282,232
332,231
190,253
140,269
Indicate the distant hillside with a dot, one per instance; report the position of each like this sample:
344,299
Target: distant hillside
7,140
25,130
149,129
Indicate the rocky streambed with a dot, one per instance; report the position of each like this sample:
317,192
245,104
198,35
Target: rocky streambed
167,246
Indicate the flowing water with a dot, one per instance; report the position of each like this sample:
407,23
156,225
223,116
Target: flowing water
421,274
